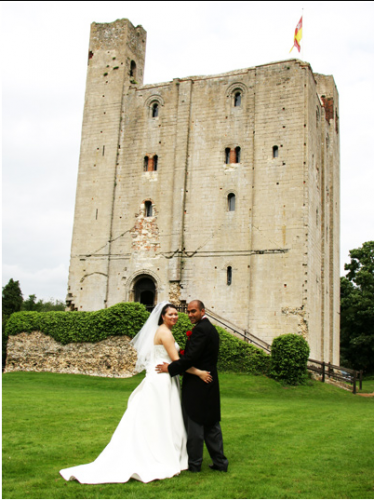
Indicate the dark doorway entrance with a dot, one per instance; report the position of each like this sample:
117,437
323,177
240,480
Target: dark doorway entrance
145,292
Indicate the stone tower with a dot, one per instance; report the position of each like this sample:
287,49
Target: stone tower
115,62
223,188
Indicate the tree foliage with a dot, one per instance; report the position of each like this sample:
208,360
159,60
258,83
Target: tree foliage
31,304
357,310
12,298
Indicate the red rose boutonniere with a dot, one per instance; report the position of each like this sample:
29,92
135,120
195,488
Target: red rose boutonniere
189,333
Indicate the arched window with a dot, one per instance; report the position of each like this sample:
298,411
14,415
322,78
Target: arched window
275,151
237,99
146,163
237,154
133,70
148,212
227,156
155,162
229,275
231,202
155,110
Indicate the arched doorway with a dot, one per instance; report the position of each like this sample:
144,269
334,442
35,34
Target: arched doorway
145,292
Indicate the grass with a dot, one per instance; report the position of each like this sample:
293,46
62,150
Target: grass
314,441
367,385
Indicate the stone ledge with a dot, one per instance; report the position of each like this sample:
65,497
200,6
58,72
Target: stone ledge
112,357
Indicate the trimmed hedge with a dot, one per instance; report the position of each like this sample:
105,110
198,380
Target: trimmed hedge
235,355
289,358
126,319
75,326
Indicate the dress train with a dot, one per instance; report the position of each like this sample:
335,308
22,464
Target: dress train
150,440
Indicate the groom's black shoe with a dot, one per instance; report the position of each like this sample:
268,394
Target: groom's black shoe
194,469
215,467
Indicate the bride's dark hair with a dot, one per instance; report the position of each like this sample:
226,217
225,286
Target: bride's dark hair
164,309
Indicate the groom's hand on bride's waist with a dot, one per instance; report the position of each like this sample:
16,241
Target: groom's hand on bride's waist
162,368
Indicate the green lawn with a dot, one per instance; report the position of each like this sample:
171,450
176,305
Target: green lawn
367,385
314,441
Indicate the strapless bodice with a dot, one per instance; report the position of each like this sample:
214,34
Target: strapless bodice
161,355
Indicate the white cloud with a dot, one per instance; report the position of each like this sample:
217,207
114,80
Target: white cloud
44,283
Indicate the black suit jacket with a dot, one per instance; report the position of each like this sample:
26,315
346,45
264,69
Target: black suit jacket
200,400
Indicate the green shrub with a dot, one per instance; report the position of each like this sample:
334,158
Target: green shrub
289,357
234,354
127,319
74,326
238,356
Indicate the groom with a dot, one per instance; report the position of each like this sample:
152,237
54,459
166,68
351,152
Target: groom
200,401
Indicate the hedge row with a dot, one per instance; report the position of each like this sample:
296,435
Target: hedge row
235,355
127,319
75,326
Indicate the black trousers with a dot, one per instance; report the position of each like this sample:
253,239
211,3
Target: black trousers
196,435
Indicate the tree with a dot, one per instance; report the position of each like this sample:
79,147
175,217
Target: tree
30,304
357,310
40,306
52,305
12,298
12,302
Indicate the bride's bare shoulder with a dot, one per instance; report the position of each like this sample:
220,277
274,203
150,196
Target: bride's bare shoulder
163,333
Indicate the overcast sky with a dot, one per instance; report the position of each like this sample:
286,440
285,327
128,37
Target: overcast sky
44,63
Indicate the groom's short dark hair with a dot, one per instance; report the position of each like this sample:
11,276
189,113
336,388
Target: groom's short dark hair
200,304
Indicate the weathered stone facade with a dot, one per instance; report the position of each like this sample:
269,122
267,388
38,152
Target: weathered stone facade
223,188
36,352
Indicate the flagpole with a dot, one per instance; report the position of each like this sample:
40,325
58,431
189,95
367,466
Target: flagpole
302,46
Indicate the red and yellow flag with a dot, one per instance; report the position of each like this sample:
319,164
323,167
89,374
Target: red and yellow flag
298,34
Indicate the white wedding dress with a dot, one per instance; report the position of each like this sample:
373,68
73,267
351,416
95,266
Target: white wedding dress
150,440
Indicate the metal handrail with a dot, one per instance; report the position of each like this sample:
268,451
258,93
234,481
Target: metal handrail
247,336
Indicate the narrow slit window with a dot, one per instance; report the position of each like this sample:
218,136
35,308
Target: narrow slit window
275,151
155,110
237,154
227,156
229,275
237,99
148,209
145,163
231,202
155,162
133,69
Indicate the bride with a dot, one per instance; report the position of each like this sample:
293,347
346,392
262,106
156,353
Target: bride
150,440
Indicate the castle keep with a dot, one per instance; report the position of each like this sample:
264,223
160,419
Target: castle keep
223,188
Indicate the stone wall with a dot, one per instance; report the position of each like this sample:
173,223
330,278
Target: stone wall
36,352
